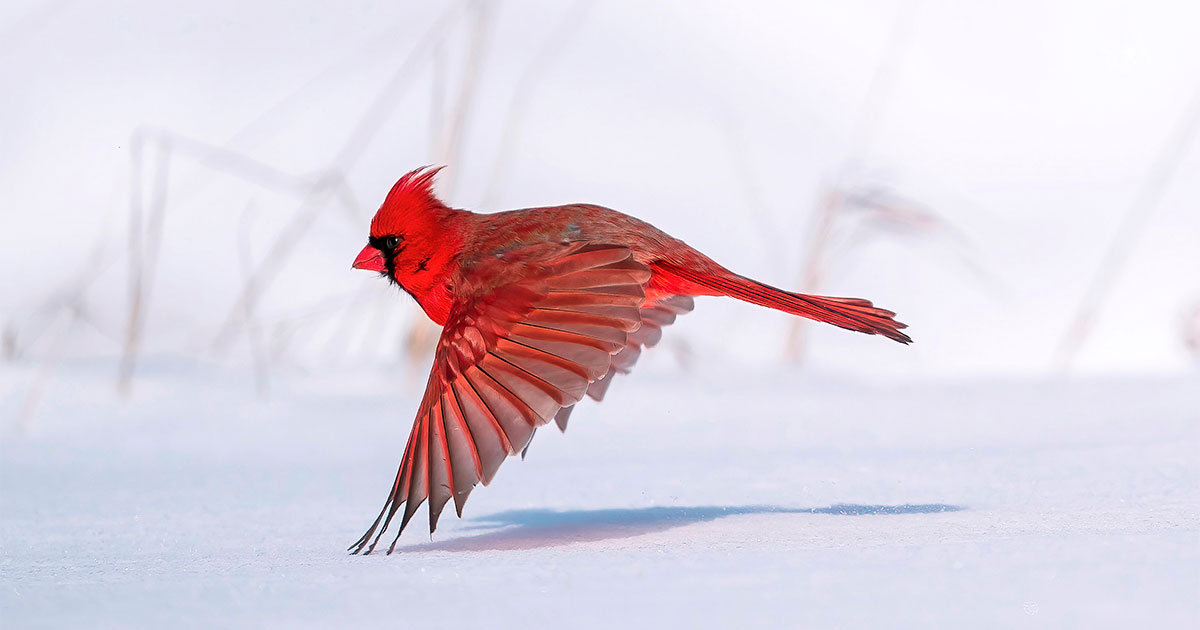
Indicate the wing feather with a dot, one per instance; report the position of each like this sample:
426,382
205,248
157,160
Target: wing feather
466,466
540,397
490,437
588,298
513,356
531,331
655,315
567,377
588,257
441,476
598,278
593,360
418,482
514,416
612,337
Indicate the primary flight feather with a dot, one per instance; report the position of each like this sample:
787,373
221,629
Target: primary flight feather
538,308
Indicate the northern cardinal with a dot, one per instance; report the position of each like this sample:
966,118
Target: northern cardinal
539,307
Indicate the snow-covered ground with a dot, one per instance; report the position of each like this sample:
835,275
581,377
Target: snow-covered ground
719,497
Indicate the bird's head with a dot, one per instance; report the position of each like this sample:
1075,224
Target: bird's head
409,240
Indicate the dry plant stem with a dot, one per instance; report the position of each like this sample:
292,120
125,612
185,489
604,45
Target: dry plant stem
421,333
355,144
226,158
34,395
144,250
256,282
145,233
10,343
375,322
384,105
874,109
523,91
739,155
373,50
1133,224
257,172
455,132
437,100
134,245
340,339
71,302
253,330
133,326
813,272
71,292
1189,329
72,305
277,342
883,81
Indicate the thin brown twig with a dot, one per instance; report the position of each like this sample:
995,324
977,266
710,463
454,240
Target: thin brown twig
452,142
70,303
147,247
67,293
831,201
422,334
253,331
33,396
828,208
437,98
1137,216
145,232
524,90
135,246
222,159
226,158
384,103
883,81
739,156
1189,329
352,149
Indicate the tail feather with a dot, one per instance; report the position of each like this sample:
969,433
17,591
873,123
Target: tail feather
850,313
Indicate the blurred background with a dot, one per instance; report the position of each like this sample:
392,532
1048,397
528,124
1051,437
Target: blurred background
201,402
1016,180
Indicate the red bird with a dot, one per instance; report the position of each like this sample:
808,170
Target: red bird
538,307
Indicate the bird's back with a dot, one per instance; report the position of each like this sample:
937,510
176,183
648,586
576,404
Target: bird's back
502,231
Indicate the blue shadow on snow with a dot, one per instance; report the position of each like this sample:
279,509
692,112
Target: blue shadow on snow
533,529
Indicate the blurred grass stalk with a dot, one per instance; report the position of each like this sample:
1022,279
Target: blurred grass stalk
1137,216
451,136
145,229
447,144
830,200
1189,330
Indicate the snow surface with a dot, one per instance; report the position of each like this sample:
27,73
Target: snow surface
719,497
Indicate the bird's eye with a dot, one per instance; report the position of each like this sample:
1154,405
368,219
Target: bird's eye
391,242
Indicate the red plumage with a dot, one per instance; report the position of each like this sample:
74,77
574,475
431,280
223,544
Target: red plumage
539,308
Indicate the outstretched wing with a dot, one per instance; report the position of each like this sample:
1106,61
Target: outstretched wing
655,315
541,327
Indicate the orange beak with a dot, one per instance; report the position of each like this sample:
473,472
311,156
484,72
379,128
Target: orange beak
370,259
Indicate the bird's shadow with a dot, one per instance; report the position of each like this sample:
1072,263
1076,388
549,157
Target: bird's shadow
514,530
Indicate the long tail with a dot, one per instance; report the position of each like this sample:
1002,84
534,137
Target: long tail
849,313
